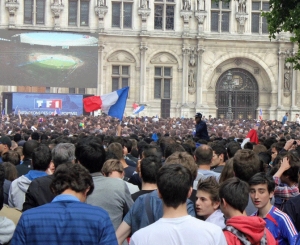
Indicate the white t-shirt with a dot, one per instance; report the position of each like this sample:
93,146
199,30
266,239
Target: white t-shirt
217,218
185,230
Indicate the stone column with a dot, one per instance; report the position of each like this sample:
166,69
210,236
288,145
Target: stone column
281,56
185,74
294,84
143,49
199,77
100,70
12,7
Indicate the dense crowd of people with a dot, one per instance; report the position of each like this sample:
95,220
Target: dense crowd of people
148,180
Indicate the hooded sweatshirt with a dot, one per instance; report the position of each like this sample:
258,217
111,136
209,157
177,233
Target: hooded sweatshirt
19,188
252,227
7,228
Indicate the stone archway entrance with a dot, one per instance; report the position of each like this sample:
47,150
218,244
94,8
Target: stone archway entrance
244,95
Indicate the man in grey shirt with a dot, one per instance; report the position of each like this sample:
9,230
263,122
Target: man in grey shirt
110,194
203,156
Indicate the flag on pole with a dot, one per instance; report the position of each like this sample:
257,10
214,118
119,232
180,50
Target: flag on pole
138,109
260,114
135,105
113,104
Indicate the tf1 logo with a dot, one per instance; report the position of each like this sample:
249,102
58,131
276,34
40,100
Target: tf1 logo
47,104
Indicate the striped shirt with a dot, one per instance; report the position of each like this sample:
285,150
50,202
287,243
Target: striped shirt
65,221
284,191
281,226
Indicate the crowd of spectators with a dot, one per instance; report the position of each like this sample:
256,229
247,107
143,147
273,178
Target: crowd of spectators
127,168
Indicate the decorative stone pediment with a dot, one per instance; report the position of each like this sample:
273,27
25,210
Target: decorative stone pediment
163,58
121,56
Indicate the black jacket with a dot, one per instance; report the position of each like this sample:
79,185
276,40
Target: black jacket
38,192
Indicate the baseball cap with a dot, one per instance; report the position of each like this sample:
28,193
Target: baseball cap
198,115
5,141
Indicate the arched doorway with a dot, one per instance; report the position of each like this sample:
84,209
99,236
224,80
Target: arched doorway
244,95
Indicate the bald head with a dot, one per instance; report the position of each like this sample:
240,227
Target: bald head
203,155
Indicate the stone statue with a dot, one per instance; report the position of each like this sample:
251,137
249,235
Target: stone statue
287,80
191,82
192,57
186,4
101,2
241,7
201,4
144,4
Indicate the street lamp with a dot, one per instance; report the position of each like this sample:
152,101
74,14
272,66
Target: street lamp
229,86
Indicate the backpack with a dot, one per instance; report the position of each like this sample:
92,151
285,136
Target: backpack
241,236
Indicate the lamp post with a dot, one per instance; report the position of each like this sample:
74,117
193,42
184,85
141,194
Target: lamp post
229,86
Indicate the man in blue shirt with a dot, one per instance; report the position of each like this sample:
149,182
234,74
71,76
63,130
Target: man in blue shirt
285,118
277,222
201,128
67,219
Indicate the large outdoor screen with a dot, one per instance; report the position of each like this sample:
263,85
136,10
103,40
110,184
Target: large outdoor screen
48,59
47,104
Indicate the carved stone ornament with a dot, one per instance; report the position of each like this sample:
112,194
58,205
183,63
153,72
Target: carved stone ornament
101,11
56,8
163,58
241,19
200,16
238,61
121,56
144,13
186,14
12,6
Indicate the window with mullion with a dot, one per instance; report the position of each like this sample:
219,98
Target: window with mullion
220,16
120,77
162,82
158,17
28,9
84,13
40,11
127,19
170,17
73,5
116,14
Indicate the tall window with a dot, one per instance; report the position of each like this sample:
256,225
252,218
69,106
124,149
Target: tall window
164,14
220,16
34,17
122,14
162,82
81,14
259,23
120,77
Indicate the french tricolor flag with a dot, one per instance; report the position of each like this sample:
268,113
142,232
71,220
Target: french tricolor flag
138,109
113,104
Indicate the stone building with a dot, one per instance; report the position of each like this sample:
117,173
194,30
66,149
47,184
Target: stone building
178,56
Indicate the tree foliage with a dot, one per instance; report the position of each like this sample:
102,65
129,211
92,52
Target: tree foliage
284,16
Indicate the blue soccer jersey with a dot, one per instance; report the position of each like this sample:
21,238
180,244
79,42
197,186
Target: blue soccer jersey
281,227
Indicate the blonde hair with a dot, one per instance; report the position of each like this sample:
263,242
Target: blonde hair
112,165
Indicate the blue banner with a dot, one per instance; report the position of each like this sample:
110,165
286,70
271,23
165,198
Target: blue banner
47,104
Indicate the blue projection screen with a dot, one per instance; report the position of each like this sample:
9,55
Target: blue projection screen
47,104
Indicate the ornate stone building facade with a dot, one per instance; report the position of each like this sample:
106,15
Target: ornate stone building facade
176,54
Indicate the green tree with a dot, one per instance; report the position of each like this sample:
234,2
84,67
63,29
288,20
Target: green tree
284,16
